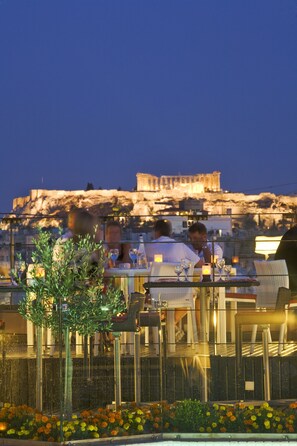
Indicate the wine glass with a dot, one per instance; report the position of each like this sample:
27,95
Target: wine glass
228,269
178,270
186,264
220,266
113,255
133,254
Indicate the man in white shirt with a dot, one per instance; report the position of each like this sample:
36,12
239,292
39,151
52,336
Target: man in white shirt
204,249
171,250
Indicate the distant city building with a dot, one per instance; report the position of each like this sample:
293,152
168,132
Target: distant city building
198,183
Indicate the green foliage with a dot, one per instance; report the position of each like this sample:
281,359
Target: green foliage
190,415
66,286
23,422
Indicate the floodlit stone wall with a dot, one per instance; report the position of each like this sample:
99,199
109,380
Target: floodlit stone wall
265,206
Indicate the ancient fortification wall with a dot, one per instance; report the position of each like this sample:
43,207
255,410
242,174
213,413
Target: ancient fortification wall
266,206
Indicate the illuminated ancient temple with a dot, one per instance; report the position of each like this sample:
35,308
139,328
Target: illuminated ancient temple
200,182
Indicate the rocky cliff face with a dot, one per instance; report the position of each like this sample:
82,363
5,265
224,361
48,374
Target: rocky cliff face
267,206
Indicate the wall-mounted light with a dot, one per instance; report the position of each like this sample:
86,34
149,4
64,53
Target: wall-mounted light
267,245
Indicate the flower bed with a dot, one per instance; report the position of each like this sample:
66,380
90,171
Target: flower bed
23,422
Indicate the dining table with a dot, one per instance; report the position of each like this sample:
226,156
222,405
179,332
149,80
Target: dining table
130,280
204,287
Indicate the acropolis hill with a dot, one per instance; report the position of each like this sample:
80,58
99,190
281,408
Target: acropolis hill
166,193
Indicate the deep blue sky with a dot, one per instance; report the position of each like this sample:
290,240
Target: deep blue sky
97,90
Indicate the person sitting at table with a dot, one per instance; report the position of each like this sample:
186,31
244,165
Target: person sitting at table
204,249
170,249
113,240
74,211
80,224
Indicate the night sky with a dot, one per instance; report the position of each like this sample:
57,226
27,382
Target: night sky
98,90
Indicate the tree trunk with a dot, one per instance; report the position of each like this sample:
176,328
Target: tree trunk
39,374
68,376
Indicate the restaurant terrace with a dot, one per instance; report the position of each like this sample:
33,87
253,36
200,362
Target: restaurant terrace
109,357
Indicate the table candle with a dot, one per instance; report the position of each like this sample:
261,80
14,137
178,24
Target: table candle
158,258
235,259
206,271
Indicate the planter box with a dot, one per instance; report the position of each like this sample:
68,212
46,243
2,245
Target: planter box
175,439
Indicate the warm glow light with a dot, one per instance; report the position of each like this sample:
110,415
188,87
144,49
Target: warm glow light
213,259
158,258
235,259
206,269
267,245
3,426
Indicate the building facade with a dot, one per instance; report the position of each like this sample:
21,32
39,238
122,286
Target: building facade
198,183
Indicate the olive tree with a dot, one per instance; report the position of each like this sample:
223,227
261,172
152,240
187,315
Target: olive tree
66,292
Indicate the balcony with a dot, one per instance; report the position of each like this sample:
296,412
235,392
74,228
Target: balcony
153,366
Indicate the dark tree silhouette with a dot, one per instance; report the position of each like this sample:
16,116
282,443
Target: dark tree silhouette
90,186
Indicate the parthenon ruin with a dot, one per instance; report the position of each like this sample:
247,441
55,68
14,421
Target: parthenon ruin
200,182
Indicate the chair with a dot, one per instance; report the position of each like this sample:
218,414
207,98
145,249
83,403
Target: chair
234,297
128,322
272,275
175,298
264,319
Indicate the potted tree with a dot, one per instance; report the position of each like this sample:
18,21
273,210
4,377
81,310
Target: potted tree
66,292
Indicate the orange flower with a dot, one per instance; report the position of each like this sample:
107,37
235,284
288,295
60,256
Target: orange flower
114,432
112,420
44,419
104,424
